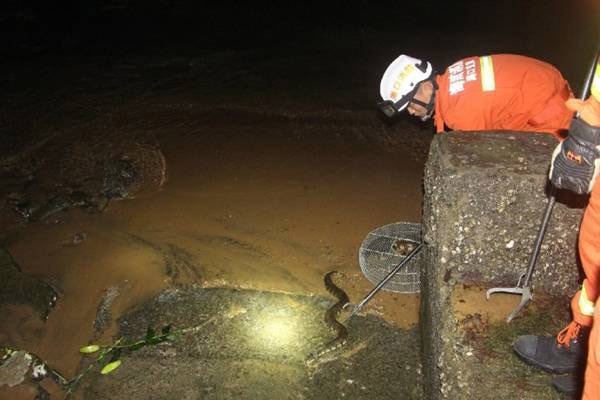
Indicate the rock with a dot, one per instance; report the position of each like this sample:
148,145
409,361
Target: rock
119,176
25,369
97,171
14,368
137,167
484,198
104,310
34,211
79,237
19,288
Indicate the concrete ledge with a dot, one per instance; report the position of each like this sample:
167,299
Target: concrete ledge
485,194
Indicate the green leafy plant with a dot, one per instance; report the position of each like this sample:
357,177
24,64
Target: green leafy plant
109,357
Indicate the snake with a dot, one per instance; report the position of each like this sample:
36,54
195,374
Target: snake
331,321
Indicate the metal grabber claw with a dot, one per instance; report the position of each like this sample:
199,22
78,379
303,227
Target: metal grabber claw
524,284
524,291
524,288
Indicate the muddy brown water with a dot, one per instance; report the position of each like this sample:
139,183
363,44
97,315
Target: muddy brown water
258,209
254,207
260,200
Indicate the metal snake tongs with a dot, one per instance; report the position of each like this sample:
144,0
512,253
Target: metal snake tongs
389,276
524,284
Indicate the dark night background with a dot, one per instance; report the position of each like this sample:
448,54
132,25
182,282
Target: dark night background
560,32
259,160
329,54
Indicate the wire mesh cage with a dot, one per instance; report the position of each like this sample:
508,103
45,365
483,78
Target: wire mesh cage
384,248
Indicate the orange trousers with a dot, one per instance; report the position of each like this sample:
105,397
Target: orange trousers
589,251
591,388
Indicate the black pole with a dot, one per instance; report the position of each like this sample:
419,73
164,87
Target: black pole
384,281
552,198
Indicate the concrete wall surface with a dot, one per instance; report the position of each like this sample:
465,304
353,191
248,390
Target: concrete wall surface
484,199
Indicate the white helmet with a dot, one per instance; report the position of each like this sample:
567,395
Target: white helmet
400,82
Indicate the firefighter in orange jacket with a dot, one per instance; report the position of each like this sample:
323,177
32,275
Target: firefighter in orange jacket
575,167
519,93
497,92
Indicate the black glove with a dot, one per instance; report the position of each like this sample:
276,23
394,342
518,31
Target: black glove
576,161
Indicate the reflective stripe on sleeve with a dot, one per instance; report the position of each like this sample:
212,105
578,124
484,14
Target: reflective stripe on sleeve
586,307
596,83
488,83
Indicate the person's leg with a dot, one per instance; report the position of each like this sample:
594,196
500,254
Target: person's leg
589,251
591,389
566,352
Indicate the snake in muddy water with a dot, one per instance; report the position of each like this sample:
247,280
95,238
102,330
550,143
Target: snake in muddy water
332,322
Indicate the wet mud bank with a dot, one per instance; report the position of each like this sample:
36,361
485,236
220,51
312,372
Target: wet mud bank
252,345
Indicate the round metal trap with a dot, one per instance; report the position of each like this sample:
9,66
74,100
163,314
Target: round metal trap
384,248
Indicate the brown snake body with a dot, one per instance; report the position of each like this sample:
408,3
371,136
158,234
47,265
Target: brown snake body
332,322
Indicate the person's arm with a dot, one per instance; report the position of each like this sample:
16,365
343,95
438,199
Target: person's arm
576,161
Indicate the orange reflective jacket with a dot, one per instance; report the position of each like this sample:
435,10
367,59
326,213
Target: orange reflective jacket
502,92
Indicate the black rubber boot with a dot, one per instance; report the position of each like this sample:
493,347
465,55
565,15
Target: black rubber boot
546,353
570,385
